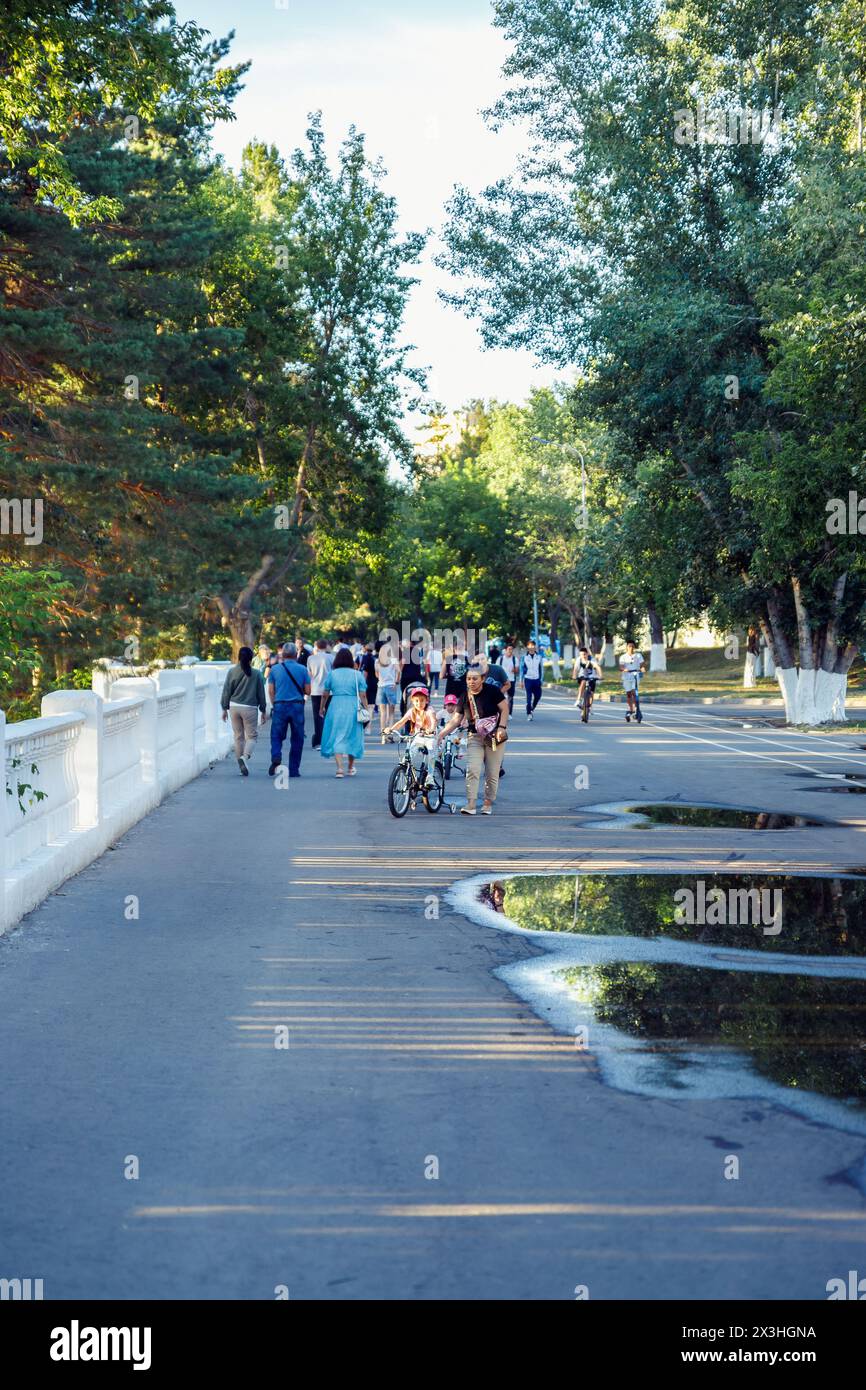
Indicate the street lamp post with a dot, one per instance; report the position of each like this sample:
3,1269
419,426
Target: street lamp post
570,449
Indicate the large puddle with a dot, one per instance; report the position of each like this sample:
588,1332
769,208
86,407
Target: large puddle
704,986
718,817
622,815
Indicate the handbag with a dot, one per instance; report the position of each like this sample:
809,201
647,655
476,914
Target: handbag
486,726
364,713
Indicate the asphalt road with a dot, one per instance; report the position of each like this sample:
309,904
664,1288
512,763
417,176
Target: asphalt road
308,1166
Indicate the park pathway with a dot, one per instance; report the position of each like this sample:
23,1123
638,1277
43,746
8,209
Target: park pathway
148,1045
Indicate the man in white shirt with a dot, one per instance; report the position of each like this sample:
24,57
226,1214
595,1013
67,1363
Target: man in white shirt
631,663
532,672
508,662
318,666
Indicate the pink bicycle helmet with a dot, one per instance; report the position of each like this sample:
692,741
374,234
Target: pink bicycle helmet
417,689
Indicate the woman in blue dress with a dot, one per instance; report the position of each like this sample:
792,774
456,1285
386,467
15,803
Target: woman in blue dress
343,733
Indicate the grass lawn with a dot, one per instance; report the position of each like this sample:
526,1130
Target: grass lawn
705,672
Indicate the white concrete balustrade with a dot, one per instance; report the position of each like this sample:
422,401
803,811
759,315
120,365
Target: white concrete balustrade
101,762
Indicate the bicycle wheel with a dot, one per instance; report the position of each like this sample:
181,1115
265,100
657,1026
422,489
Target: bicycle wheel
398,791
435,795
448,760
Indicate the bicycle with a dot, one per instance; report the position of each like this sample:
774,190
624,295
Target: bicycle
586,698
405,785
452,752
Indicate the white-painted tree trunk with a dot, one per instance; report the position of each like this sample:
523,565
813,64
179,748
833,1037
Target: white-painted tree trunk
769,663
749,671
608,656
658,657
787,678
812,697
830,691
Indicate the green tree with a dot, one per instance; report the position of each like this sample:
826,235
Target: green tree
327,373
65,64
658,263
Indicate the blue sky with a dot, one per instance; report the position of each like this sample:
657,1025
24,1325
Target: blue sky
413,76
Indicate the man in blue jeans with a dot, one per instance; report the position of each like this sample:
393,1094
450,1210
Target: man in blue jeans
288,683
532,672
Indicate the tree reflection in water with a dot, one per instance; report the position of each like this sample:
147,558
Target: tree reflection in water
720,817
800,1031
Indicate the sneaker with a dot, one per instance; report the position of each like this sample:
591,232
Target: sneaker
487,810
468,811
245,772
272,769
628,719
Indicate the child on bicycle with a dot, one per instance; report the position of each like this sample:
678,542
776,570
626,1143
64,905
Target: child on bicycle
422,727
587,670
451,702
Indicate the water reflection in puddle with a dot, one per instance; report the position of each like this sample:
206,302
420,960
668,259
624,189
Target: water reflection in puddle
704,1008
644,817
720,817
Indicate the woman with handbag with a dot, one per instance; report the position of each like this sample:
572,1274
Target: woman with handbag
485,709
347,713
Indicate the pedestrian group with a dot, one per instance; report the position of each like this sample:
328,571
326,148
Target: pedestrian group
347,682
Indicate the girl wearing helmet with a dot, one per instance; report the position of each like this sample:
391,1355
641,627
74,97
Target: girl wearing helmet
451,703
421,721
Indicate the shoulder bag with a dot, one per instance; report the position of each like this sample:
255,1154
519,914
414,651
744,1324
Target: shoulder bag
365,714
485,727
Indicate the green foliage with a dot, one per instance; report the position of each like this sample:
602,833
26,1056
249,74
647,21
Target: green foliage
68,62
668,272
30,600
20,789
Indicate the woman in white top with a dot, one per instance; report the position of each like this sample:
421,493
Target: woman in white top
388,691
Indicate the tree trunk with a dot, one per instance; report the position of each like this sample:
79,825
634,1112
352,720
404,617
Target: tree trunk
237,616
814,693
609,657
658,654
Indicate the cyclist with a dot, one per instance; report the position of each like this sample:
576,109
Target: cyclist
450,702
421,720
587,670
631,663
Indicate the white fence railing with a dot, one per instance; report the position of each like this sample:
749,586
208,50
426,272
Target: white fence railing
100,764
